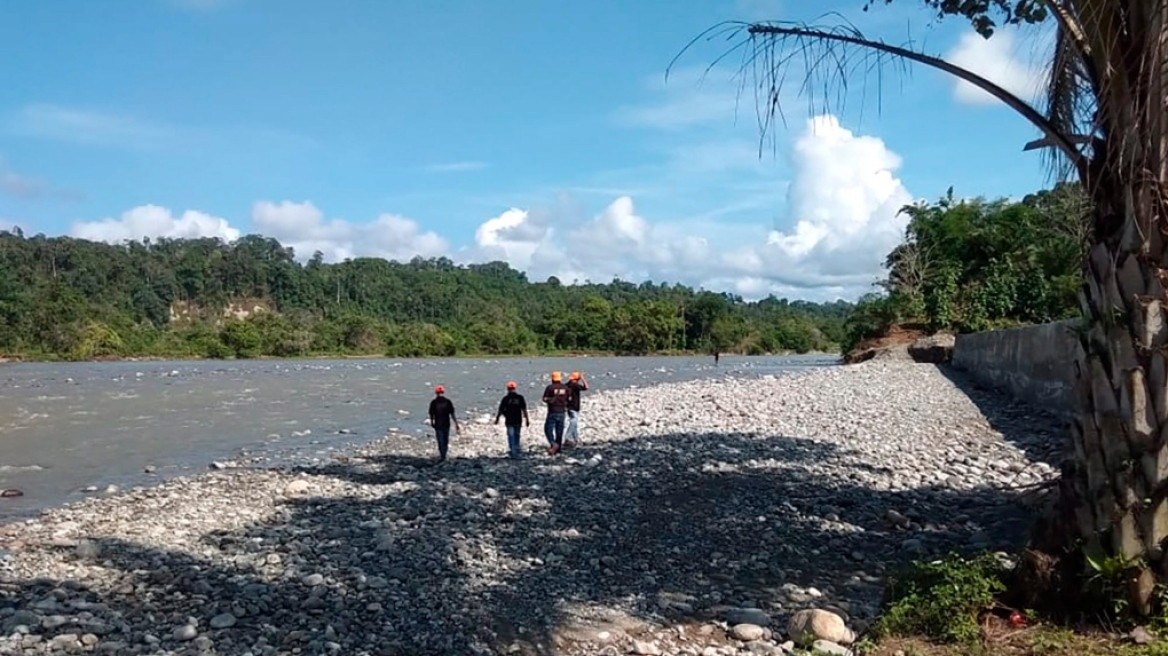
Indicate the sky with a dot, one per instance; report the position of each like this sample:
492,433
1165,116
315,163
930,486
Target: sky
547,135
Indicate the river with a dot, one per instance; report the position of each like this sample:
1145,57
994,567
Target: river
68,427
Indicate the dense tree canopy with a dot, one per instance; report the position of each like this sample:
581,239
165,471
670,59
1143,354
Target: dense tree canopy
64,297
976,265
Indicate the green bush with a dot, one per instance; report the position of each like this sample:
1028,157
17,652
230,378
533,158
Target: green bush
243,338
943,599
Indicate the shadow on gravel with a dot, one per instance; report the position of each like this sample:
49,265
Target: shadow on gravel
539,556
1027,426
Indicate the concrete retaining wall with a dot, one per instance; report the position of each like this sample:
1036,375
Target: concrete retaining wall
1033,363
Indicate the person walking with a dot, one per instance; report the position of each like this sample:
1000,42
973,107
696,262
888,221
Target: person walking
555,396
513,409
442,414
576,385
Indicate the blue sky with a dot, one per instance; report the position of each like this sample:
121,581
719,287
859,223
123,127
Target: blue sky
542,134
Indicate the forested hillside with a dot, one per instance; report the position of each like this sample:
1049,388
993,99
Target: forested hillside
967,266
70,298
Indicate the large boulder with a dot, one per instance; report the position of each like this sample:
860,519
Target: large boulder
807,626
934,349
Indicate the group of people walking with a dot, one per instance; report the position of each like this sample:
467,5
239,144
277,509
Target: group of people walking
561,427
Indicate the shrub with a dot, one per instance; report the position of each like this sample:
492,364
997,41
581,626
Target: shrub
944,599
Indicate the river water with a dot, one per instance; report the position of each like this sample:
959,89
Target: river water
67,427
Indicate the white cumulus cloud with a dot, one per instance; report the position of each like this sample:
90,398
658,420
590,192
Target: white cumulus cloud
841,219
304,227
843,206
299,225
999,60
154,221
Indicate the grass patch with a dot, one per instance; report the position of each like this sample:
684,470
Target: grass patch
1035,640
943,600
952,607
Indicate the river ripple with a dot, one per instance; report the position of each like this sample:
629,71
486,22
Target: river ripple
65,427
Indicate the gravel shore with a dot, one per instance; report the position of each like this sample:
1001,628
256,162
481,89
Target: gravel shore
695,518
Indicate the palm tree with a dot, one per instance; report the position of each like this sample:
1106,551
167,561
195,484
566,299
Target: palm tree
1105,121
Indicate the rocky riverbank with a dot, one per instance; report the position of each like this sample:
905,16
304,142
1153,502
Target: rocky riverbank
697,518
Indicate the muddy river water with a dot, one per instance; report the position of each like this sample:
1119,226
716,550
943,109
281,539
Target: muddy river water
68,427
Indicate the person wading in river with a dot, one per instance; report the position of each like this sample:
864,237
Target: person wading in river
576,385
441,416
513,409
555,396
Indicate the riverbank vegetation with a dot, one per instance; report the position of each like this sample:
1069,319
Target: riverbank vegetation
74,299
965,265
972,265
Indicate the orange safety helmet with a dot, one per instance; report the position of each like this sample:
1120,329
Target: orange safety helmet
439,390
575,376
557,376
511,385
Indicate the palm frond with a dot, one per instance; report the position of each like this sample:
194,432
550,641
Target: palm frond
831,55
1070,99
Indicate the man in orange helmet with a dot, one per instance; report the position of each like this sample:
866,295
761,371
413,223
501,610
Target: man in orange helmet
576,385
555,396
441,416
513,408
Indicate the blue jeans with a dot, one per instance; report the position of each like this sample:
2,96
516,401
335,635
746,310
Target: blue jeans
553,428
443,435
513,441
572,434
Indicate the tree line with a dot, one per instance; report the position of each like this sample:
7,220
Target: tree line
973,265
69,298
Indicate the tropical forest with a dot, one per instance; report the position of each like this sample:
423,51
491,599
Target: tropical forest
964,265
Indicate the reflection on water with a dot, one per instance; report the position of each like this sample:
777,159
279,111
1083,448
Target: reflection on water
64,427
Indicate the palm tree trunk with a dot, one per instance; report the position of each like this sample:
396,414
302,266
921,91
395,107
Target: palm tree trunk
1119,483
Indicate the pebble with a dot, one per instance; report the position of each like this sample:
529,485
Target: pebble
185,632
747,632
734,499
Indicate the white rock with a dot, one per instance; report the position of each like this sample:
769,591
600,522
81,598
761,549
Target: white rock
646,648
298,487
829,648
185,633
748,632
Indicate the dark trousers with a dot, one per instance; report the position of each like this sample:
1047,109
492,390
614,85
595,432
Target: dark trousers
513,440
553,428
443,435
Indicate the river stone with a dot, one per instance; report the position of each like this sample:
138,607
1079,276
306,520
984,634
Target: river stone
223,621
747,632
809,625
296,488
646,648
65,642
88,549
21,617
829,648
185,632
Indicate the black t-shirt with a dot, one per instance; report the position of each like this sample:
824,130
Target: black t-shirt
441,411
556,397
574,389
512,407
